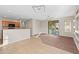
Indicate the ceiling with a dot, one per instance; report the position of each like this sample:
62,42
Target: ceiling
27,12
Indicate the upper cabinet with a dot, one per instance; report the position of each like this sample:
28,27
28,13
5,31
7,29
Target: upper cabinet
10,24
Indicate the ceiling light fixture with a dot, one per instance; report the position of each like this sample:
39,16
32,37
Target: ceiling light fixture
39,9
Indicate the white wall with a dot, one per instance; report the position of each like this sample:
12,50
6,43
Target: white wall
39,26
13,35
61,27
35,27
44,26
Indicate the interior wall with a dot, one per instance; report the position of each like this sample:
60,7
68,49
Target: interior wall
39,26
61,27
26,24
35,27
44,26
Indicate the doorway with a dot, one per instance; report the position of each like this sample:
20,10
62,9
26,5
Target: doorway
53,27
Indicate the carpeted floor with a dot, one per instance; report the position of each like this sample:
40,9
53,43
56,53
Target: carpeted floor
60,42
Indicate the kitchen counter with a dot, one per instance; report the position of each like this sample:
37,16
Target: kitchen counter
13,35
